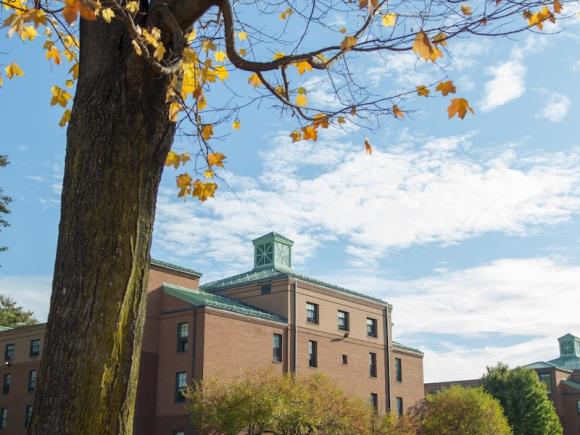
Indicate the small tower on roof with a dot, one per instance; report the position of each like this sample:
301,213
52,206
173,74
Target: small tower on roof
569,346
272,250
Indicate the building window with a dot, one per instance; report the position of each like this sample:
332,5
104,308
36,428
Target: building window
28,415
9,352
345,359
182,336
578,407
371,327
311,312
372,364
32,380
6,384
399,406
178,432
35,347
3,418
266,289
398,370
312,354
264,254
546,379
277,348
374,402
180,386
342,320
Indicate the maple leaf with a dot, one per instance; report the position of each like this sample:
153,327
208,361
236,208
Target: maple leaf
236,124
423,91
303,66
459,107
440,39
220,56
446,88
343,30
208,173
132,7
208,45
368,146
59,96
466,10
242,36
397,112
52,52
321,120
222,73
424,49
310,132
278,55
284,15
215,159
558,7
348,43
389,20
243,51
203,191
13,70
73,8
341,120
207,131
254,80
107,14
65,118
28,32
174,109
172,159
301,100
295,135
183,182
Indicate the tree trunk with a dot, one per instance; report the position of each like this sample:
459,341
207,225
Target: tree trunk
117,142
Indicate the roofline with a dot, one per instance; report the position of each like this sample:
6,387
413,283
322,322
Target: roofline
175,267
552,366
20,328
275,236
402,347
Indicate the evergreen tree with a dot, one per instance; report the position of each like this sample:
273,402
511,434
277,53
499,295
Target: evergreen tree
14,315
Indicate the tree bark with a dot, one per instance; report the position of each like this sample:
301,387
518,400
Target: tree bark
117,142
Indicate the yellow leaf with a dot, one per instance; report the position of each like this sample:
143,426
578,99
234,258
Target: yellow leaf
348,43
74,70
65,118
28,32
296,136
343,30
466,10
423,91
215,159
136,47
174,109
221,72
159,52
301,100
440,39
558,7
172,159
243,51
459,107
208,45
397,112
236,124
284,15
59,96
1,80
53,54
203,191
446,88
321,120
69,83
368,146
220,56
242,36
424,49
278,55
207,131
190,37
341,120
389,20
254,80
303,66
310,132
13,70
208,173
183,182
107,14
132,7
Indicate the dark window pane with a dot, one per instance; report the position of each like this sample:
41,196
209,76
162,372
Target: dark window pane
399,369
374,401
371,327
311,312
28,415
9,352
372,365
182,336
345,359
312,354
343,320
180,386
6,384
266,289
32,380
399,406
3,418
35,347
277,348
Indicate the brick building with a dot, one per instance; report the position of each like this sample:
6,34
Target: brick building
270,317
561,376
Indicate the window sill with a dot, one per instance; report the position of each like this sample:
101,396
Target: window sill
277,362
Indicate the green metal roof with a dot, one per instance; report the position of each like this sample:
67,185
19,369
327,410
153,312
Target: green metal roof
572,384
202,299
275,273
274,236
167,265
5,328
566,362
404,347
540,365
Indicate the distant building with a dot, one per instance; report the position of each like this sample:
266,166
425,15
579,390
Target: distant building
269,317
561,377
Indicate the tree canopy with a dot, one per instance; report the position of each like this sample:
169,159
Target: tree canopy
13,315
524,399
457,411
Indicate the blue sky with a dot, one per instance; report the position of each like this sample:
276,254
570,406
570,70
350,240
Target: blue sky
470,228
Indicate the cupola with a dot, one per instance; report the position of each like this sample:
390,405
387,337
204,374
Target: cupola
272,250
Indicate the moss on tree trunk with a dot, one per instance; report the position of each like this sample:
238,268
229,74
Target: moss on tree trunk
117,141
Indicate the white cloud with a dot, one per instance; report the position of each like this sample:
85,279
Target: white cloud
31,292
506,85
374,204
532,298
556,108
